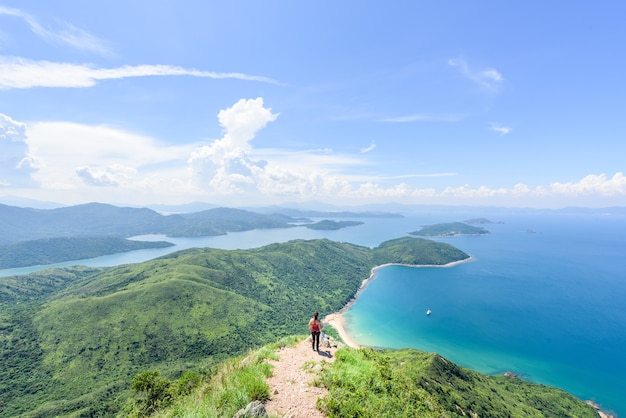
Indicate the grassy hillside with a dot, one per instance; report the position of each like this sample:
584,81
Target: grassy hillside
387,383
362,383
411,383
86,333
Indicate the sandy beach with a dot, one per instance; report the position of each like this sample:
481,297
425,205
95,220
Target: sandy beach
336,321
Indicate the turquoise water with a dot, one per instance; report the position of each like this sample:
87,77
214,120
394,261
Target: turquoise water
549,304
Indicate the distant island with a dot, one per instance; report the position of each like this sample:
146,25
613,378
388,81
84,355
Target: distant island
481,221
328,225
452,229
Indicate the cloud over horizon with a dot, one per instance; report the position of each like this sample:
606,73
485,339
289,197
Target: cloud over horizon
134,165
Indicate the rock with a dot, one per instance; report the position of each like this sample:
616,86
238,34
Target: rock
254,409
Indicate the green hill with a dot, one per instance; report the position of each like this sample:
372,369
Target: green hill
71,340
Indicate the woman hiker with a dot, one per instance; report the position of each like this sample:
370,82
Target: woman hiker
315,325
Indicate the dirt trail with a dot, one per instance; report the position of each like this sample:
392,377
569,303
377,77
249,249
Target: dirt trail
291,393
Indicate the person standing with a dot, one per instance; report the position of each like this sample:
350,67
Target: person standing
315,326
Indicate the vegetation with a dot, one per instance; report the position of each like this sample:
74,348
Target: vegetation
417,251
361,383
56,250
72,339
449,230
225,389
412,383
332,225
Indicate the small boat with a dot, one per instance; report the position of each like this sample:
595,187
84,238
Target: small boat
428,312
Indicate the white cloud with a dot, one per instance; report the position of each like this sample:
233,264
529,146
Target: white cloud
17,163
67,34
21,73
503,130
488,78
368,149
593,184
73,157
114,175
67,159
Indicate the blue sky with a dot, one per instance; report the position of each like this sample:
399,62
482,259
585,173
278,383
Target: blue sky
245,102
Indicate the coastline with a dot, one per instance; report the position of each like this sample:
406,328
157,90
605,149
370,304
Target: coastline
336,319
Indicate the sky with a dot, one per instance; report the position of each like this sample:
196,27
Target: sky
241,103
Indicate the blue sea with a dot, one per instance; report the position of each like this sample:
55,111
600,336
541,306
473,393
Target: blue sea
544,296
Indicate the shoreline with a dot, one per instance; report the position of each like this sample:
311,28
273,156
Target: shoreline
336,319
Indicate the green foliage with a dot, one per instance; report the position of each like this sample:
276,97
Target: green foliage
450,230
69,337
186,383
370,383
233,384
151,391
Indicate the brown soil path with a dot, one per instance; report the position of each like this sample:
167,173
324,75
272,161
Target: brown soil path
291,392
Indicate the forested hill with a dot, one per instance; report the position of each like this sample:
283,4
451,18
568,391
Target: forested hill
98,219
72,339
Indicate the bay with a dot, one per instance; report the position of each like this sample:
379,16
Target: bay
544,297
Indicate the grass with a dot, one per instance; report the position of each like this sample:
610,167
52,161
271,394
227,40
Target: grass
411,383
234,384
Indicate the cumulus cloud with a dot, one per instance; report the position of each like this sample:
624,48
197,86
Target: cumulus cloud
17,163
66,34
226,163
113,175
488,78
21,73
598,184
231,165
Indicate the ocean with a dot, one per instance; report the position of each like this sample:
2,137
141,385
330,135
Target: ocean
544,296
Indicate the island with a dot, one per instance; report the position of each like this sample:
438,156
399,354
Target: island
328,225
481,221
451,229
